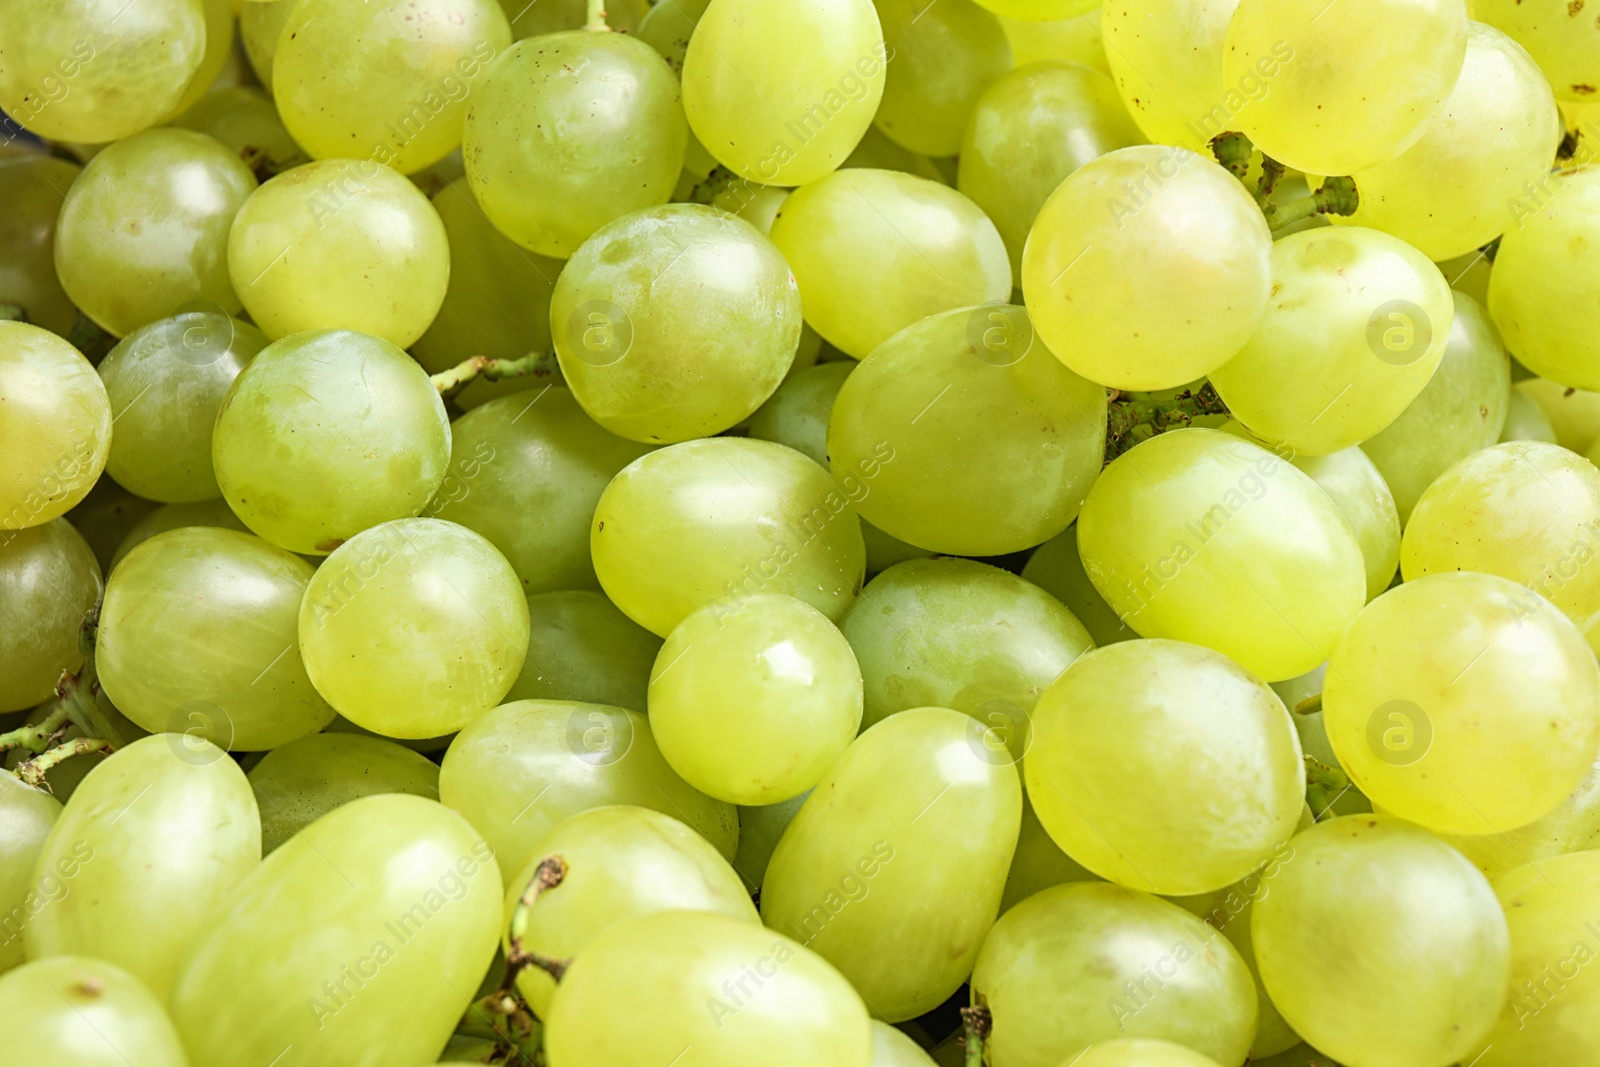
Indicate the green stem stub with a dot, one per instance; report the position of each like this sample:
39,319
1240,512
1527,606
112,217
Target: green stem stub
597,16
33,771
976,1022
542,364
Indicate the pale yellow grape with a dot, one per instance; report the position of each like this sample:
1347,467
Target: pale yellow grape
518,771
1057,568
298,783
75,1011
1526,421
760,829
1073,38
385,81
1357,323
1203,537
1459,187
580,647
26,815
945,55
261,28
33,188
1344,87
379,920
1574,414
1571,826
1142,1052
244,119
1038,862
173,517
781,92
894,867
796,415
162,820
718,520
1166,57
877,250
619,862
1486,726
55,430
650,988
340,244
1561,35
1147,268
414,628
98,70
877,152
49,579
1380,942
892,1048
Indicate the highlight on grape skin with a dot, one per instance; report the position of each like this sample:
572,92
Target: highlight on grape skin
799,533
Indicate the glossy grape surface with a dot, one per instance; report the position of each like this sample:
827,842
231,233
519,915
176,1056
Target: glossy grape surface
75,1011
56,433
49,579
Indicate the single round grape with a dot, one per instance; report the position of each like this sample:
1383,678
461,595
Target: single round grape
1574,414
994,441
26,815
49,579
649,988
945,55
1147,268
1028,132
1079,964
580,647
414,628
797,414
1571,826
93,71
165,382
1565,44
75,1011
1461,409
1203,537
877,250
780,93
1526,421
1073,38
340,244
618,862
175,517
518,771
326,434
876,152
1377,940
1166,57
163,819
1057,568
298,783
719,520
1337,90
392,907
33,188
570,131
760,829
893,869
55,426
675,322
753,706
385,81
1485,727
1356,326
261,29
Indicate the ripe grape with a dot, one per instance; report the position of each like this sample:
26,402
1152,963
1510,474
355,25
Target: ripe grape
946,55
1574,414
26,815
580,647
1073,38
56,433
1057,568
1034,10
1571,826
668,27
298,783
1181,43
33,188
1358,490
1565,44
553,16
75,1011
876,152
262,26
49,579
219,53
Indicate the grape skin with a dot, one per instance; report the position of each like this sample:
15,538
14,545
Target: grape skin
945,56
51,579
33,188
580,647
1564,42
56,434
75,1011
1189,102
297,783
26,816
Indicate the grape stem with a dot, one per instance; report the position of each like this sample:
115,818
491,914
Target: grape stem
976,1022
75,706
597,16
33,771
1337,195
1309,706
39,737
1132,417
540,364
1324,785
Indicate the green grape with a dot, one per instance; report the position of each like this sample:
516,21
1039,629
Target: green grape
518,771
1056,567
198,636
1028,132
946,55
175,517
877,250
1460,410
959,634
580,647
340,244
653,987
719,520
753,706
1380,942
797,414
1574,414
298,783
1151,291
386,81
1565,44
1153,789
1493,138
552,16
876,152
106,516
667,27
1486,727
218,55
760,829
618,862
244,119
98,70
675,322
995,442
33,188
26,815
570,131
1526,421
414,628
891,1048
1038,862
144,230
1035,10
1273,590
1141,1052
893,869
1571,826
390,910
165,382
1074,38
780,93
1080,964
164,819
49,579
262,24
73,1011
1341,89
328,433
1166,57
56,433
1356,326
